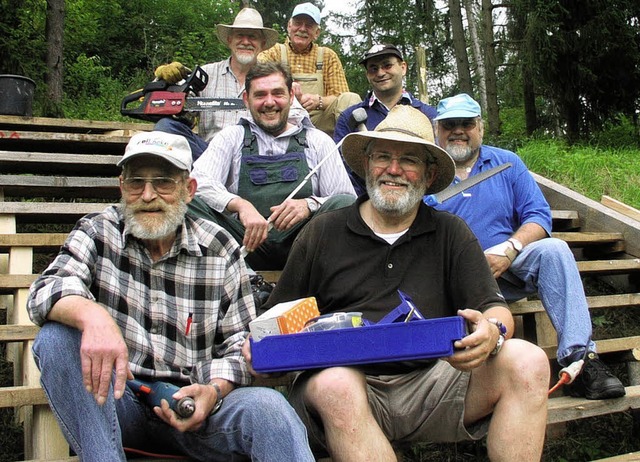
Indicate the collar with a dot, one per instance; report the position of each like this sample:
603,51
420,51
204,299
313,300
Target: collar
405,98
255,128
423,223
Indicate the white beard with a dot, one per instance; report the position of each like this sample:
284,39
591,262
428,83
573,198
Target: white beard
153,229
396,204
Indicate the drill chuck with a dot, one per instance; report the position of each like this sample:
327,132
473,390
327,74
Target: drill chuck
152,393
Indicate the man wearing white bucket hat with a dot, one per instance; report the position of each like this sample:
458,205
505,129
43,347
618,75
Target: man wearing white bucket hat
245,38
357,258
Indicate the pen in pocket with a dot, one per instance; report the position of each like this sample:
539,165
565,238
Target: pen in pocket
189,320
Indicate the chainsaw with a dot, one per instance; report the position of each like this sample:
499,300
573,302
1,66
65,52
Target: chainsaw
160,99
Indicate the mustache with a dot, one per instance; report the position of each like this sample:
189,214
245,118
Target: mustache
246,47
458,137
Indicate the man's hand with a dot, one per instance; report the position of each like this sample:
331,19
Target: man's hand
102,351
172,72
289,213
246,354
309,101
205,398
498,264
474,349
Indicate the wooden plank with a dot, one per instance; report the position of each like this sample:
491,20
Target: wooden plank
629,457
620,207
566,408
595,302
588,238
63,142
55,163
75,209
22,396
42,241
565,219
18,333
11,282
613,345
60,186
608,267
72,125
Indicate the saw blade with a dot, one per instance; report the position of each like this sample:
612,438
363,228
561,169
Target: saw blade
213,104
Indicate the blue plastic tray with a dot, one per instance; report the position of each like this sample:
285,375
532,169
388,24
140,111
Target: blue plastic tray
398,341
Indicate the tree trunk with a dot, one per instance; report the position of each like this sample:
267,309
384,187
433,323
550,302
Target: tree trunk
460,47
54,32
472,20
491,81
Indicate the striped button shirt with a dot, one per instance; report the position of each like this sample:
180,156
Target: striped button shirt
334,79
202,277
217,170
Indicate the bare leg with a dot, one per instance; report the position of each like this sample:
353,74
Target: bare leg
516,382
339,396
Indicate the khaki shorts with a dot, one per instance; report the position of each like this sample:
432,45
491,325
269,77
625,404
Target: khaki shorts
425,405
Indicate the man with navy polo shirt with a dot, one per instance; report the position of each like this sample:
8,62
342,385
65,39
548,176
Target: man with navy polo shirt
385,69
512,220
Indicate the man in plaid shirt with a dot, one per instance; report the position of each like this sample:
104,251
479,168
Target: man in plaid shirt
322,86
142,289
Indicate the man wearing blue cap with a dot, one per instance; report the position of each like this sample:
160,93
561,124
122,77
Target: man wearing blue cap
512,220
321,85
385,69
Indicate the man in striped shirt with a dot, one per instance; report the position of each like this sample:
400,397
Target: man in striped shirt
143,290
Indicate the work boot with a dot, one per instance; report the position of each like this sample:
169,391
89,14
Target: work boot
596,381
261,290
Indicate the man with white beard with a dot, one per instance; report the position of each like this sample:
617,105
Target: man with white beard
357,259
245,38
143,290
512,220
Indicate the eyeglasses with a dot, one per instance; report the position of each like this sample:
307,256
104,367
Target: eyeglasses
161,184
373,69
407,163
450,124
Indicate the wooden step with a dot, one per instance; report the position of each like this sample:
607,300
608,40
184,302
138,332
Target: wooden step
563,220
11,282
50,212
55,163
608,267
594,302
60,187
605,242
70,125
566,408
64,142
42,241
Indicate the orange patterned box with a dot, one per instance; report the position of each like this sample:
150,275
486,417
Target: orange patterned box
284,318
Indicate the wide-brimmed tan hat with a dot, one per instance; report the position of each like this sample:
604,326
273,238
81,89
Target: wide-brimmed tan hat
407,125
248,18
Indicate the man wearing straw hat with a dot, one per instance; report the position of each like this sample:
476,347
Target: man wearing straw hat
357,258
245,38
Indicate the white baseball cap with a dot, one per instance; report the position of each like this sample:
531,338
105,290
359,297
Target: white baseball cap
172,148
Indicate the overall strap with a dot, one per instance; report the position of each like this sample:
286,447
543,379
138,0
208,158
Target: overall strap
320,59
298,142
283,54
249,143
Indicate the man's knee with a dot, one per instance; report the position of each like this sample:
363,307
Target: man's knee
56,343
337,202
332,387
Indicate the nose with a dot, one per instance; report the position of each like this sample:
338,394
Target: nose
148,193
394,167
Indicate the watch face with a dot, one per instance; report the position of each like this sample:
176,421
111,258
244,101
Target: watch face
516,244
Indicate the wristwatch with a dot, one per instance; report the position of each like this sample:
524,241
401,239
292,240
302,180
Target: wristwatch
312,205
517,245
501,338
219,398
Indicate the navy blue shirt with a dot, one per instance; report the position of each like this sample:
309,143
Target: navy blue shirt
376,112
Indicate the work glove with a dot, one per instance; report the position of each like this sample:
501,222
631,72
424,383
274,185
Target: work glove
172,72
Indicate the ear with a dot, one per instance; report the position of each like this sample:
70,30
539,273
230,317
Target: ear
192,186
403,65
120,182
317,34
245,98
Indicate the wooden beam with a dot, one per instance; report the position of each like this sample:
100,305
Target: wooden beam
18,333
21,396
49,241
70,125
566,408
620,207
594,302
608,267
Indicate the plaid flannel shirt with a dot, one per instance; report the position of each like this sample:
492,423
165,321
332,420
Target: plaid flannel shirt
202,277
334,79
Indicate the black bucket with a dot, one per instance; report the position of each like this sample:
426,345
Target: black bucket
16,95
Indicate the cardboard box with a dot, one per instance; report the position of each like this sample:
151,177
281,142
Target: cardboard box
284,318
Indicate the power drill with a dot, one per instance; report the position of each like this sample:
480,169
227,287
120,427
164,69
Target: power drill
153,392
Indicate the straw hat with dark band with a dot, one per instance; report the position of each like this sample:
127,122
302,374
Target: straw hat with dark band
403,124
248,19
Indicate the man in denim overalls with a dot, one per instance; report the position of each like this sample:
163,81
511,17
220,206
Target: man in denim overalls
249,170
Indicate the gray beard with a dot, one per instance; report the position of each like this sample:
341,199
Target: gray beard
244,59
173,219
398,204
459,153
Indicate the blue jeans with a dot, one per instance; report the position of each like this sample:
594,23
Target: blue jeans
254,423
548,267
175,127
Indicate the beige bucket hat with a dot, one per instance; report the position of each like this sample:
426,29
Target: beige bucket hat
248,18
403,124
